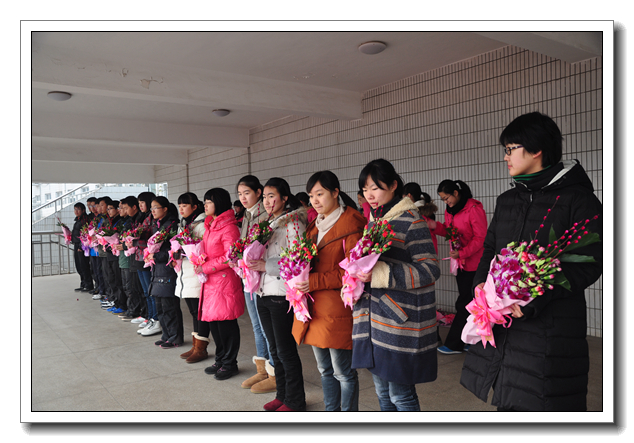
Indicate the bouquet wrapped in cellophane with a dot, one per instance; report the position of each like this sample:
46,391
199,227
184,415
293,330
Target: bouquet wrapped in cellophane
376,240
521,272
68,238
154,245
453,237
294,268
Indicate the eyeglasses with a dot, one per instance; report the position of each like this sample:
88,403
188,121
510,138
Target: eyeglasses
444,199
507,151
156,208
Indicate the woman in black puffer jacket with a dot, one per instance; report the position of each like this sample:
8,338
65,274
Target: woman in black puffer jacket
163,282
541,360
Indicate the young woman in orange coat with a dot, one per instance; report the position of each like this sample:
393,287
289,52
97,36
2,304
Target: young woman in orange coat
335,231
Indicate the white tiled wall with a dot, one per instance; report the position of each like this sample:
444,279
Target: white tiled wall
442,124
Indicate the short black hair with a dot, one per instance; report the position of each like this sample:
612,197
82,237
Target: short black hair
105,198
221,200
81,206
535,132
92,199
131,201
381,170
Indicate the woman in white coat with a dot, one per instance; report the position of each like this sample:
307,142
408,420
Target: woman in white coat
187,284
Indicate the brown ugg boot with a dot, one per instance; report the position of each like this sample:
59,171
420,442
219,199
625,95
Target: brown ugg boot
200,350
184,355
259,376
268,384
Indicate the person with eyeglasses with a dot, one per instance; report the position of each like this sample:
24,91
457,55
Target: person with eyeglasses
541,361
467,215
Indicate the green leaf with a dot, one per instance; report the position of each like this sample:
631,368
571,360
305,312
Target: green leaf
576,258
585,240
561,280
552,236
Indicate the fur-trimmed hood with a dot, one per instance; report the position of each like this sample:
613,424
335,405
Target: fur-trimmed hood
406,204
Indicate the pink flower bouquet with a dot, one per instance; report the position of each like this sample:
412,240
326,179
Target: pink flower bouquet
375,241
129,236
68,238
247,249
154,244
294,268
194,252
111,241
453,237
519,274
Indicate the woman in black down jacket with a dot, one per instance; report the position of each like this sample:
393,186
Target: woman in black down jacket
163,283
541,361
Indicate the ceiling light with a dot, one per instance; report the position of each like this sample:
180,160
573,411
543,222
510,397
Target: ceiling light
59,96
220,112
371,48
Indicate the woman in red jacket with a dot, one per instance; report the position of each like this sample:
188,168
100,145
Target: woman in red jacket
221,297
468,217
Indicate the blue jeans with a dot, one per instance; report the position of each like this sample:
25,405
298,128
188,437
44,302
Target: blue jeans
395,396
339,381
145,277
261,343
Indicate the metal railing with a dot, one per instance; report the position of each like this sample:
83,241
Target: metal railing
49,254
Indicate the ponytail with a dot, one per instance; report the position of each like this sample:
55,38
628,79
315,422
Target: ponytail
292,202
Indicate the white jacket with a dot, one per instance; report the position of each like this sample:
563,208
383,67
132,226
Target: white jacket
284,232
187,283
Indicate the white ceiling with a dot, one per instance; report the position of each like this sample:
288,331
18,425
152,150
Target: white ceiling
146,97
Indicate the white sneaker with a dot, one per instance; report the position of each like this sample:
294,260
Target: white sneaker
152,328
143,324
138,320
96,297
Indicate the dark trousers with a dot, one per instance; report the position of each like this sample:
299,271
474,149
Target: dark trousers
145,276
98,274
192,306
170,317
82,264
465,295
277,323
133,291
226,335
113,279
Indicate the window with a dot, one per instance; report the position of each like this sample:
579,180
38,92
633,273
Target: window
47,196
58,193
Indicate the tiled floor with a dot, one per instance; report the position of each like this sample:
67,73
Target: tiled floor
86,359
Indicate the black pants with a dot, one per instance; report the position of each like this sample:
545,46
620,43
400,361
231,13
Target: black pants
133,291
95,262
192,306
113,279
82,264
226,335
277,323
170,317
465,295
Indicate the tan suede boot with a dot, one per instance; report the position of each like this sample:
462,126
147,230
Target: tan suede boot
190,352
259,376
268,384
200,350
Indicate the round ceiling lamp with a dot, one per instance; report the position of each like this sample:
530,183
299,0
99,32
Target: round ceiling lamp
59,96
221,112
371,48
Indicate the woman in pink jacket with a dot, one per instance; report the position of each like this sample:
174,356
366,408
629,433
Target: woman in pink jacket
468,217
221,296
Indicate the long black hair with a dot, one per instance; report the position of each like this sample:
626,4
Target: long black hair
221,200
413,189
381,171
292,202
449,186
329,181
172,210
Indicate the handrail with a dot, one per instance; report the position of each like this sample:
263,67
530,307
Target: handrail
58,198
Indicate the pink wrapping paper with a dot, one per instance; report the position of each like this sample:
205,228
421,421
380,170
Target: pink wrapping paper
175,246
113,240
487,309
196,256
128,252
68,238
297,299
151,249
254,251
352,286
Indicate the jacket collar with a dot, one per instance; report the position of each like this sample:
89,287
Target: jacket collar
224,219
406,204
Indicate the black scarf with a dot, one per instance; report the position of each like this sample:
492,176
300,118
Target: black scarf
458,206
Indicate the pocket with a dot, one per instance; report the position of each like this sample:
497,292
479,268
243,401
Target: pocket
392,309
